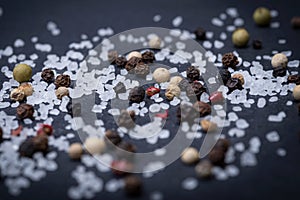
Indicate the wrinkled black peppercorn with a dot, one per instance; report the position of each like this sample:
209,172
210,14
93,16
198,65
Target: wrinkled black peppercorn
200,33
148,57
294,79
30,146
62,80
233,84
203,108
133,185
40,143
195,89
279,71
186,113
230,60
47,75
222,144
113,137
120,88
225,75
125,120
257,44
141,70
25,111
192,73
132,62
136,95
120,61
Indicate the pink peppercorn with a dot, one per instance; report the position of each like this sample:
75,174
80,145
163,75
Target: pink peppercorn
216,97
45,129
152,91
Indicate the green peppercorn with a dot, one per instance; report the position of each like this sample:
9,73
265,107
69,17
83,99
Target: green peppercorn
22,73
240,37
262,16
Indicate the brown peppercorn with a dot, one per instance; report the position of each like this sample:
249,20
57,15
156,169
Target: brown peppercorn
41,143
1,135
200,33
257,44
217,157
26,148
203,108
204,169
120,61
230,60
294,79
208,126
295,22
17,95
26,88
131,114
233,84
125,120
61,92
112,56
132,63
239,76
224,74
25,111
148,57
186,113
192,73
222,144
195,89
126,146
113,137
279,71
133,185
141,70
47,75
62,80
136,95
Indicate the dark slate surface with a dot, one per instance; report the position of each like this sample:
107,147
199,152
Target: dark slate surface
273,178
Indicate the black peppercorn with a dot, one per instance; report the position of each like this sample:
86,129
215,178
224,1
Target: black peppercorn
203,108
120,61
25,111
1,135
257,44
148,57
294,79
40,143
230,60
217,157
233,84
136,95
127,147
112,56
279,71
47,75
113,137
195,89
132,62
192,73
125,120
141,70
62,80
200,33
222,144
224,74
26,148
120,88
133,185
186,113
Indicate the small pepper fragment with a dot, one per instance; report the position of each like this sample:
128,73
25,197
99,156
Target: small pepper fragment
45,129
152,91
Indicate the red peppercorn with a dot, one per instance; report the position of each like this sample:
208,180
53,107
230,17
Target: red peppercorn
163,115
152,91
45,129
216,97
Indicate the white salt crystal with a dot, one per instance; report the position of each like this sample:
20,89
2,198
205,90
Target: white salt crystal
275,25
237,108
154,108
281,41
223,36
239,147
218,44
19,43
289,103
189,183
238,22
217,22
232,12
281,152
293,63
207,44
177,21
273,136
261,102
209,34
43,47
274,13
273,99
248,159
156,18
232,170
236,132
232,117
242,124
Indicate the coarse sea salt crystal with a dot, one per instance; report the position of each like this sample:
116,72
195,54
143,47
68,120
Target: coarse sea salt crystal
218,44
273,136
207,44
293,63
242,124
281,152
237,108
19,43
217,22
261,102
248,159
275,25
177,21
156,18
273,99
289,103
236,132
232,12
238,22
281,41
189,183
239,147
43,47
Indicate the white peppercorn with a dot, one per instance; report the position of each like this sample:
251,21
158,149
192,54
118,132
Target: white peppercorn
161,75
175,80
279,60
134,54
172,91
155,42
26,88
94,145
75,151
61,92
17,95
296,92
190,155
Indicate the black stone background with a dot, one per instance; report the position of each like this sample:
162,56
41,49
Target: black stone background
273,178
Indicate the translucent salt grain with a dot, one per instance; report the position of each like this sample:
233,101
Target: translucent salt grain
156,18
156,196
242,124
236,132
232,117
19,43
189,183
239,147
43,47
281,41
113,185
177,21
273,136
154,108
207,44
248,159
281,152
261,102
232,12
273,99
232,170
217,22
275,25
293,63
289,103
218,44
223,36
219,174
237,108
238,22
